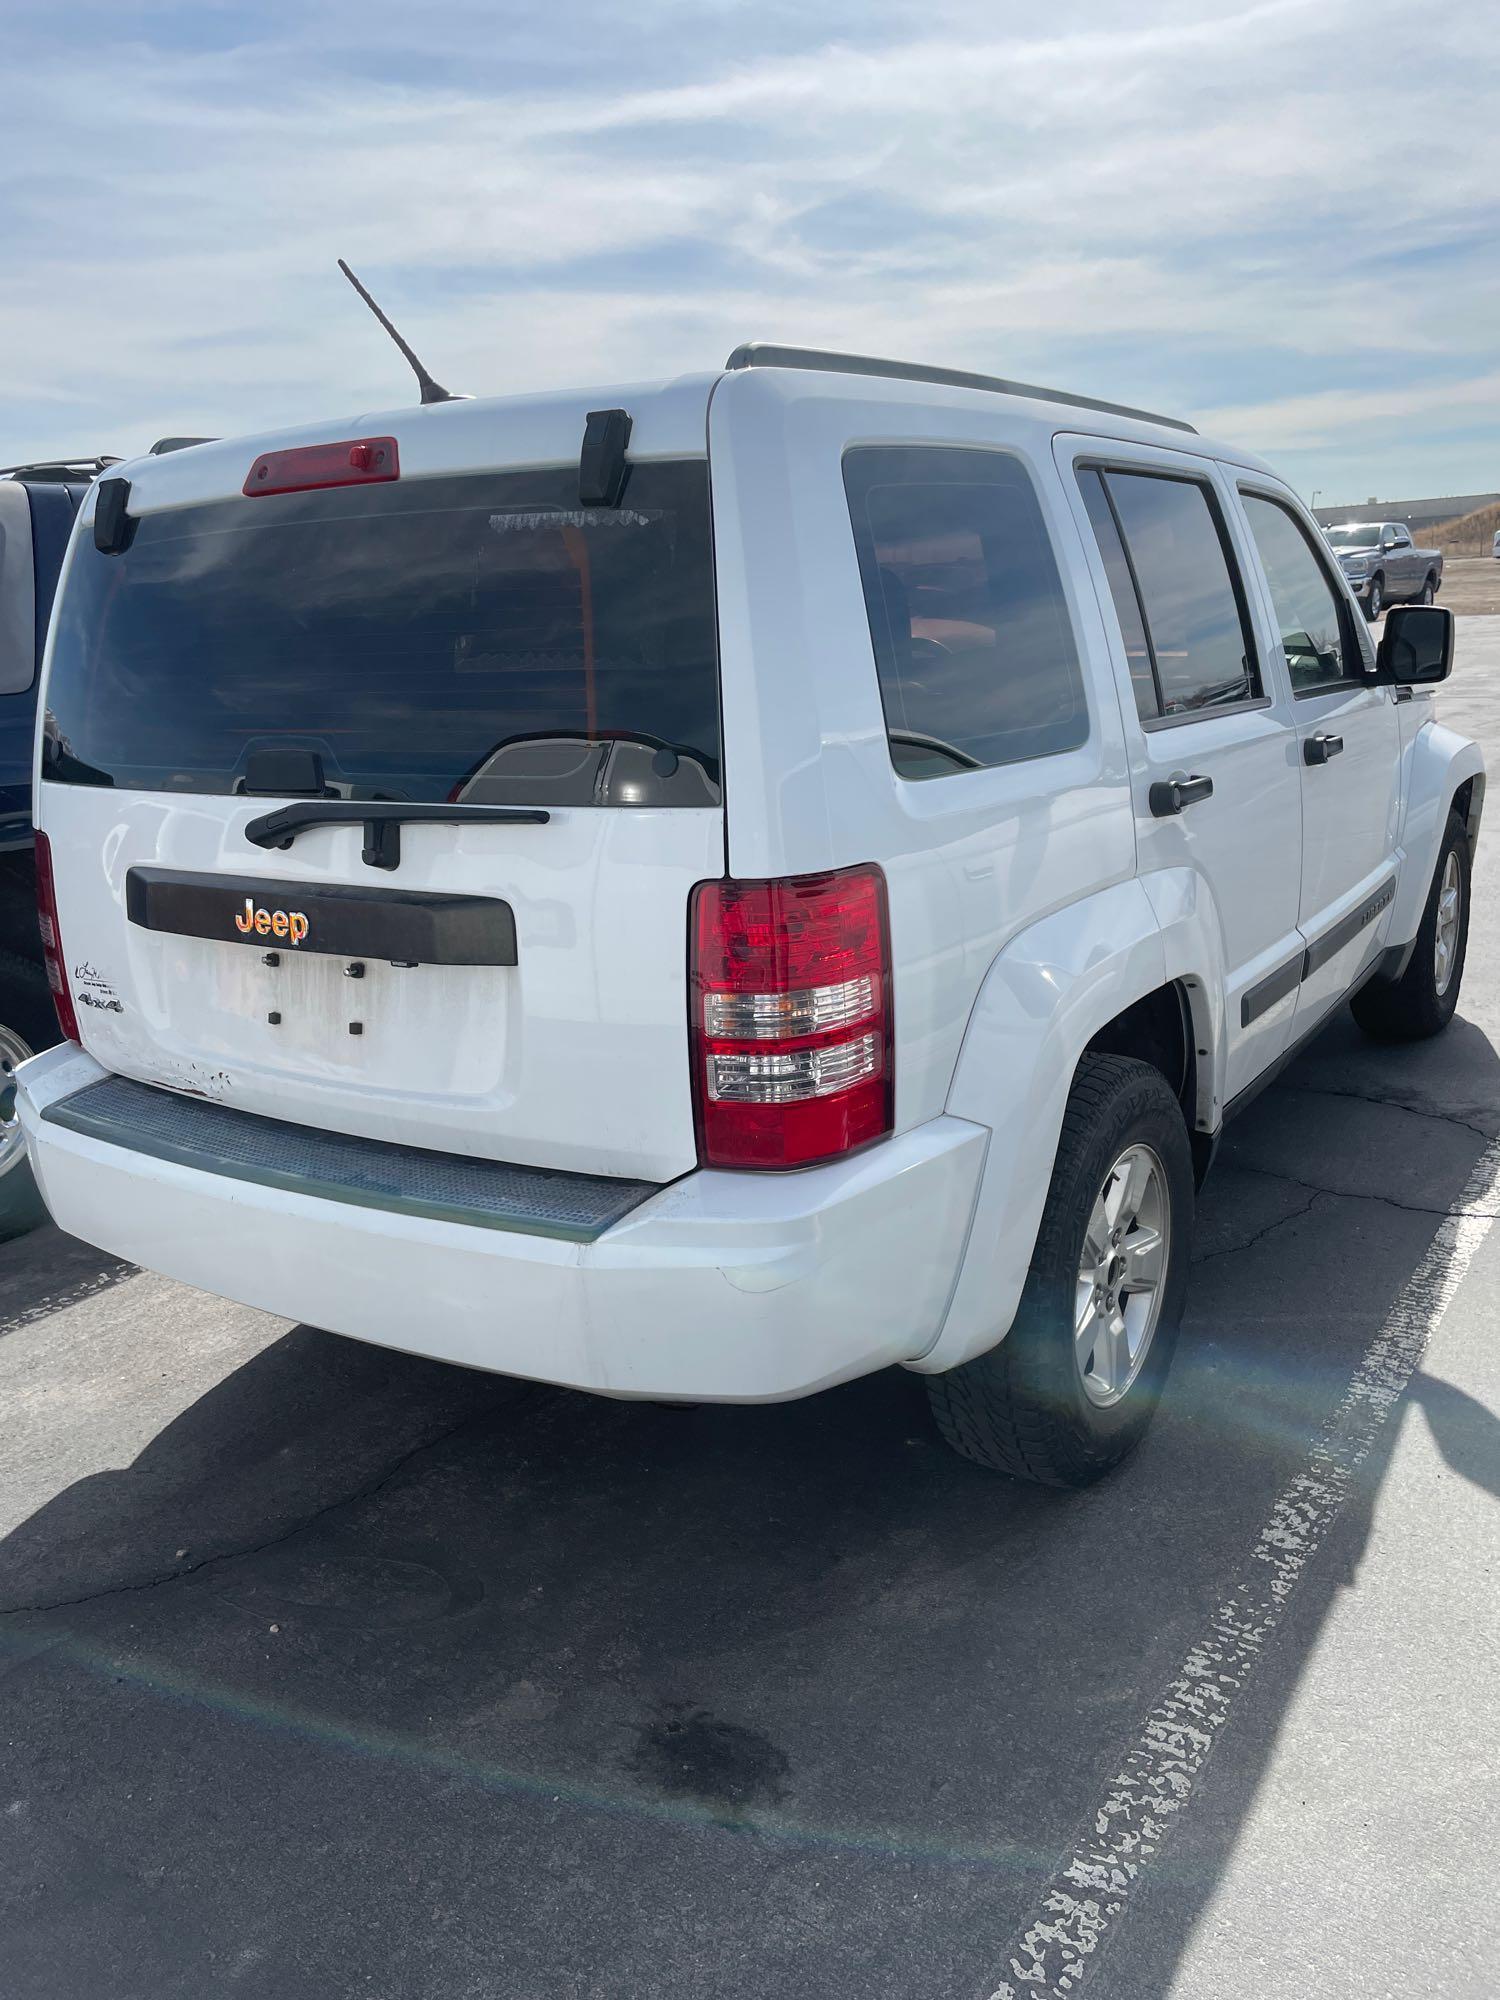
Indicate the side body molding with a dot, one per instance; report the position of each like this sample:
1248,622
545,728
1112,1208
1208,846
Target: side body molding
1046,995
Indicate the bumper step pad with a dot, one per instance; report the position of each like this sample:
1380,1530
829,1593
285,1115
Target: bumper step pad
333,1166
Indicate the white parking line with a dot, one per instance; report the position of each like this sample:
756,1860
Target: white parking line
1088,1896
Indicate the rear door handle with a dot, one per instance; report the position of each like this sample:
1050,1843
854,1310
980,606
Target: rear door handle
1170,795
1319,748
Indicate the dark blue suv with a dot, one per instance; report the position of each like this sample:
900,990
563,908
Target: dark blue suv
37,506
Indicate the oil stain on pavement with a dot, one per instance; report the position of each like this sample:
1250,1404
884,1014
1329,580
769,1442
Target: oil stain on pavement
690,1754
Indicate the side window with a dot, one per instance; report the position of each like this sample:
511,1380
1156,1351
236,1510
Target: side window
1122,588
973,644
1188,603
1403,539
1316,628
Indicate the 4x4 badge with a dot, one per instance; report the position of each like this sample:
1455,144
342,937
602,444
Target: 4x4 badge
289,924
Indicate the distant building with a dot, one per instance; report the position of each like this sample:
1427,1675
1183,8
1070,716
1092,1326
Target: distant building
1417,514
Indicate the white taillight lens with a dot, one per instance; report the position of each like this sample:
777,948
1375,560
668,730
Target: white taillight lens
774,1016
787,1076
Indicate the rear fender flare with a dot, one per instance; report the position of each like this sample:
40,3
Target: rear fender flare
1045,996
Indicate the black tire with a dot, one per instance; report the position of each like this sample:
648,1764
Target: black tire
1411,1008
1375,598
1022,1408
1429,590
21,1204
26,1013
26,1002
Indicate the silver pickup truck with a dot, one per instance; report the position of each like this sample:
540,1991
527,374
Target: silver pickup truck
1382,564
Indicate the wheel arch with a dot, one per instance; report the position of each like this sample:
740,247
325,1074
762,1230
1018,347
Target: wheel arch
1445,773
1103,972
1171,1028
1468,803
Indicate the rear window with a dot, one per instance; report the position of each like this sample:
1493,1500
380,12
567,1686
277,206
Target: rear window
482,639
973,644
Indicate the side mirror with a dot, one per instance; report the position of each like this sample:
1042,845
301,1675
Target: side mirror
1416,647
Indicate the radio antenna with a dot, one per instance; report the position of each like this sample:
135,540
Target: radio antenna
432,392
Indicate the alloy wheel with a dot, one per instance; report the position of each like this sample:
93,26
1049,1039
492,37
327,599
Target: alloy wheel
1445,934
13,1051
1121,1274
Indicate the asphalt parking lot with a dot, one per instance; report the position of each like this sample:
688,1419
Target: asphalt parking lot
326,1671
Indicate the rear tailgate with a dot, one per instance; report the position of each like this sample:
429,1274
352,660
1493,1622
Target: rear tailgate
512,988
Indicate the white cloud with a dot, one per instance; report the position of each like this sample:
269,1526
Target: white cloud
1194,209
1331,414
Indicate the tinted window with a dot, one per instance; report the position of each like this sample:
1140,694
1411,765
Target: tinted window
481,638
1195,625
1122,589
1316,629
17,592
973,643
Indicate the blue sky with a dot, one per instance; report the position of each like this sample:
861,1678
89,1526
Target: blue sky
1280,219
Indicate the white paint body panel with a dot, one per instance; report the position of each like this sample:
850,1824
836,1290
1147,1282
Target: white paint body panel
1029,906
1351,808
575,1057
1435,761
732,1287
1351,805
1244,844
970,860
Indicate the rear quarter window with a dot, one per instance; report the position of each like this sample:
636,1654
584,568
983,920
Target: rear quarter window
974,647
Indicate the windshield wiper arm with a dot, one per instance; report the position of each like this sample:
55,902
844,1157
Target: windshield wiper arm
381,820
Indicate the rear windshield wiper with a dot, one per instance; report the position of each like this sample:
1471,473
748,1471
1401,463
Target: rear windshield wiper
381,821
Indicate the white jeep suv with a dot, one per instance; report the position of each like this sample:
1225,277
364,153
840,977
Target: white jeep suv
705,890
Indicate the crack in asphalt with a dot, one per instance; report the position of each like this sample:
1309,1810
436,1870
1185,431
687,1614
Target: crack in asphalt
1357,1194
1281,1221
366,1492
1315,1189
1391,1104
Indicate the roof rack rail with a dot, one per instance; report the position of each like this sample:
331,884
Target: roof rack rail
766,354
88,465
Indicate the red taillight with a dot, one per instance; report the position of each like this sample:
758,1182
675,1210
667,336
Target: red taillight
52,951
790,992
310,467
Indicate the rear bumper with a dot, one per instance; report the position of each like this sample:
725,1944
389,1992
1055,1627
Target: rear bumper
720,1287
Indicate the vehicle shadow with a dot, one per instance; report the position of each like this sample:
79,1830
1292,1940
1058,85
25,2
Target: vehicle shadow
465,1687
